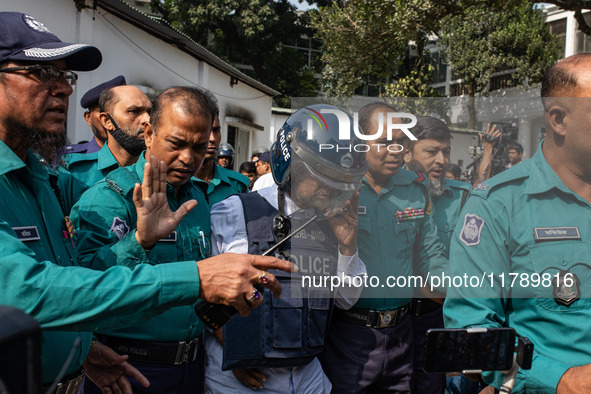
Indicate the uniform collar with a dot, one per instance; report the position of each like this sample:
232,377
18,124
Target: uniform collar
542,177
219,175
9,162
106,158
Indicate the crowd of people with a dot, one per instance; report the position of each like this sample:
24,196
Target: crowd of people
110,244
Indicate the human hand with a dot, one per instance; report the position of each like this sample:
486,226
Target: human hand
251,377
494,132
155,220
344,225
110,371
228,279
575,380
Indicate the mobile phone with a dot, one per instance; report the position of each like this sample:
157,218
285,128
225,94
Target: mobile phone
525,352
474,349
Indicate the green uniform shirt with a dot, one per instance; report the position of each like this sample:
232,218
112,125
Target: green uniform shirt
83,171
34,254
225,183
388,247
497,236
105,222
447,209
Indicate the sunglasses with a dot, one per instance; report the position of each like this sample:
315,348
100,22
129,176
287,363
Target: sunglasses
46,73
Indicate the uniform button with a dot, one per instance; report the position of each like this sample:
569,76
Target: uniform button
187,253
446,227
563,262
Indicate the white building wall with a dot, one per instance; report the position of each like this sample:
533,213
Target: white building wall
143,59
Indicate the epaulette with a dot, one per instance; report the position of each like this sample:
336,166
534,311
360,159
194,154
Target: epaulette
239,177
458,184
514,174
122,180
74,158
422,180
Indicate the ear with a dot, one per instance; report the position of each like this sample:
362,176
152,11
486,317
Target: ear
407,155
105,121
557,117
87,117
149,135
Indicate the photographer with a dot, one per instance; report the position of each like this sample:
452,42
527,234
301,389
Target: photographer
489,140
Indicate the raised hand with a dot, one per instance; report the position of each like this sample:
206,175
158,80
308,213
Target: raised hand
155,220
344,225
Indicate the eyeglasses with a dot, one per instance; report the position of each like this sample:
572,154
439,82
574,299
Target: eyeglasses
47,73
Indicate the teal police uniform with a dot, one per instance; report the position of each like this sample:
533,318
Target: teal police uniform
105,220
447,209
225,183
370,346
425,313
389,246
83,171
34,253
526,221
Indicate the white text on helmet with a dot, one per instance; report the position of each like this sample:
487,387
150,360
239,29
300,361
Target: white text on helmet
284,147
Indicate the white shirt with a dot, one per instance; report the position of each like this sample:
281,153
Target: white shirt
264,181
228,234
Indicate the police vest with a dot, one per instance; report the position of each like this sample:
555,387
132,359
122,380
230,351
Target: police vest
288,331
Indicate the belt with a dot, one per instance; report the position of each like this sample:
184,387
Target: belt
68,387
422,306
164,353
372,318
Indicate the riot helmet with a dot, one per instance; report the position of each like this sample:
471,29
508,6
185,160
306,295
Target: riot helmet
310,142
225,155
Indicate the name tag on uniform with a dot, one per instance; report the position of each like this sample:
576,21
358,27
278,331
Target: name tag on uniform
28,233
170,238
361,210
556,233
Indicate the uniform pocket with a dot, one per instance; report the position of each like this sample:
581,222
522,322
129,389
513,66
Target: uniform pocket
566,256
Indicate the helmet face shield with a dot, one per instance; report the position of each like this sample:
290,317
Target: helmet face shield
314,158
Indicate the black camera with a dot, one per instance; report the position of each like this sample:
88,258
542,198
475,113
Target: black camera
508,132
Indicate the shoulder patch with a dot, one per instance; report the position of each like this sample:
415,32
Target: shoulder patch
470,234
119,228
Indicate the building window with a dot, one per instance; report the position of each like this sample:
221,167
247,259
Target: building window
457,89
558,28
583,41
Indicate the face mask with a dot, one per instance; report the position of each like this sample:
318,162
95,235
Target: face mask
132,145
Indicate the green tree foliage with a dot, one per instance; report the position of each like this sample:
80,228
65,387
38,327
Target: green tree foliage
480,41
249,32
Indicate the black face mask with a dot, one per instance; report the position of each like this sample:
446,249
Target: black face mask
132,145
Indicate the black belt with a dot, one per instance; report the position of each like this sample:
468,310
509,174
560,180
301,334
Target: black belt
422,306
164,353
372,318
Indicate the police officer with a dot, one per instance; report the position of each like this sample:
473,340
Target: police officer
370,346
226,155
124,112
222,182
531,221
279,355
104,219
38,255
430,155
90,101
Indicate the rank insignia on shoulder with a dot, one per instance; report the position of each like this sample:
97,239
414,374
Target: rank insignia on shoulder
420,178
119,228
566,288
481,186
112,185
470,234
409,214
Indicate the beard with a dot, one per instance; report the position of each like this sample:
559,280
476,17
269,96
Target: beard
436,186
48,145
128,141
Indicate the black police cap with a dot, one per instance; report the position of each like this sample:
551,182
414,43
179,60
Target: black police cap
91,98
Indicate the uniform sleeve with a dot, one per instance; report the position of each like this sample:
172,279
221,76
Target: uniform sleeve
105,230
81,299
428,251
